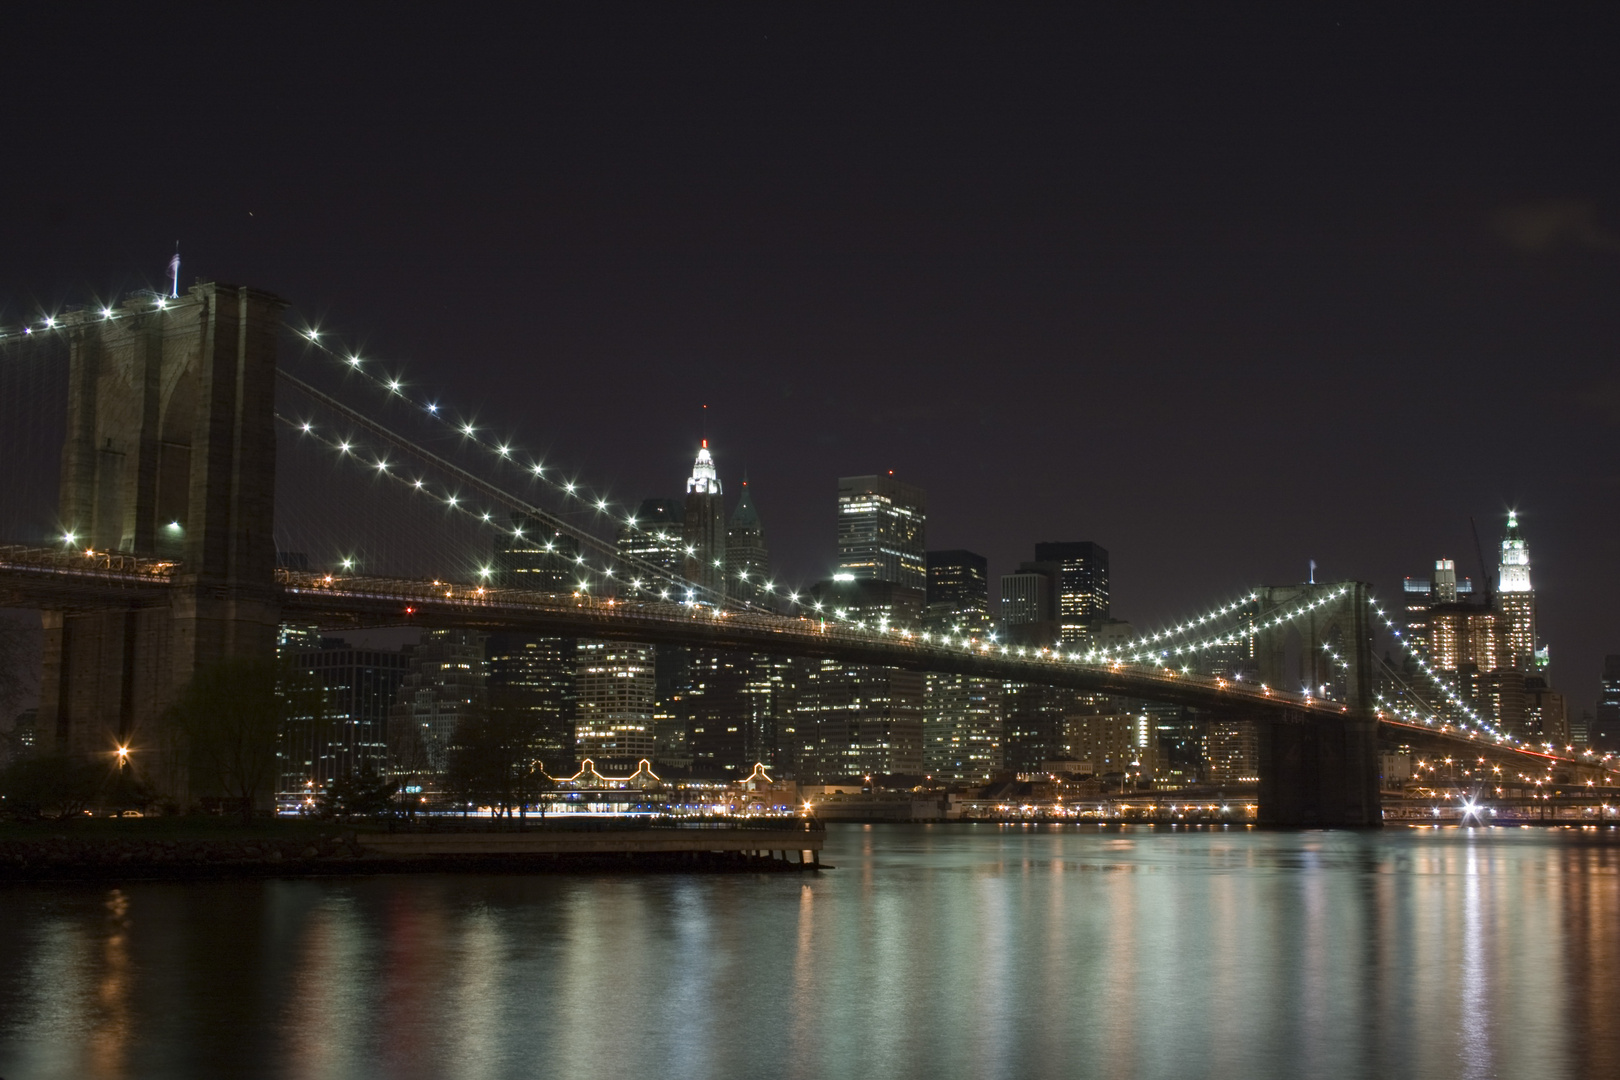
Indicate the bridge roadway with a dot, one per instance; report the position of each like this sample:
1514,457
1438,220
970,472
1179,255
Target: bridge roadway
50,577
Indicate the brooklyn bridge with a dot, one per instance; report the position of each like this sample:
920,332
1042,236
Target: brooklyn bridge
160,556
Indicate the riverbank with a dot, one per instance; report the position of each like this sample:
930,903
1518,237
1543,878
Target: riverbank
178,848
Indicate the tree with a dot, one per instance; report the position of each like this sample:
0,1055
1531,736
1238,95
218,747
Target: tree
360,794
492,759
51,785
230,715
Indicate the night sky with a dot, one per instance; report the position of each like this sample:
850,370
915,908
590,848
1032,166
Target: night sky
1224,293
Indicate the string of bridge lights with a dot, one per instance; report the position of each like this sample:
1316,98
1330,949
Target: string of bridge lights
47,322
453,502
1445,688
593,575
1233,608
393,386
536,470
1133,651
506,454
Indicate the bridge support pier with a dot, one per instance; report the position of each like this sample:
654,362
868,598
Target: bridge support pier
1320,773
170,453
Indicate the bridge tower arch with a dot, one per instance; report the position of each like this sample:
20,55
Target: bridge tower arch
170,452
1315,770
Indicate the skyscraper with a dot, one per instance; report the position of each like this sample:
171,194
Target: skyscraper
532,672
534,556
1604,732
958,593
536,674
748,562
657,536
1082,585
1516,598
614,688
882,526
858,719
1029,602
446,677
738,703
358,688
962,720
705,529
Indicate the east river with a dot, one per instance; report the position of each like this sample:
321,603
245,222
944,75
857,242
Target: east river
931,951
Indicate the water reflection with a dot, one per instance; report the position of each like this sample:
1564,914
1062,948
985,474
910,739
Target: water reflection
933,951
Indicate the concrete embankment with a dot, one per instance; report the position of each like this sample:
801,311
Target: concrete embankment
542,849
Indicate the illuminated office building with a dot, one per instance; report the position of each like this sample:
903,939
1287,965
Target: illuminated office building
957,597
657,536
351,735
1516,599
882,526
532,555
1603,734
860,719
535,674
1080,569
1029,605
614,702
962,721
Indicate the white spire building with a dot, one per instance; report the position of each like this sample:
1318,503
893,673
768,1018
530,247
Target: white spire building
705,529
1516,598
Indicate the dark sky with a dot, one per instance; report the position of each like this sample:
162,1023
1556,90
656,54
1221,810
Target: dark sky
1223,292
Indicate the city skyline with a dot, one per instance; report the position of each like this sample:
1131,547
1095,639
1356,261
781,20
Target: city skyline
1222,326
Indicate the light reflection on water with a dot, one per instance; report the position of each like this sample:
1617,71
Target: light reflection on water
943,951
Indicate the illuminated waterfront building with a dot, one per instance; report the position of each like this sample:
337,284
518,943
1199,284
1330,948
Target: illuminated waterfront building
1232,755
853,720
738,704
614,702
1033,724
704,529
532,672
1546,713
882,527
1112,742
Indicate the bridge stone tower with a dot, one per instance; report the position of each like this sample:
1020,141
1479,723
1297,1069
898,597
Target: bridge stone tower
1317,771
170,452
